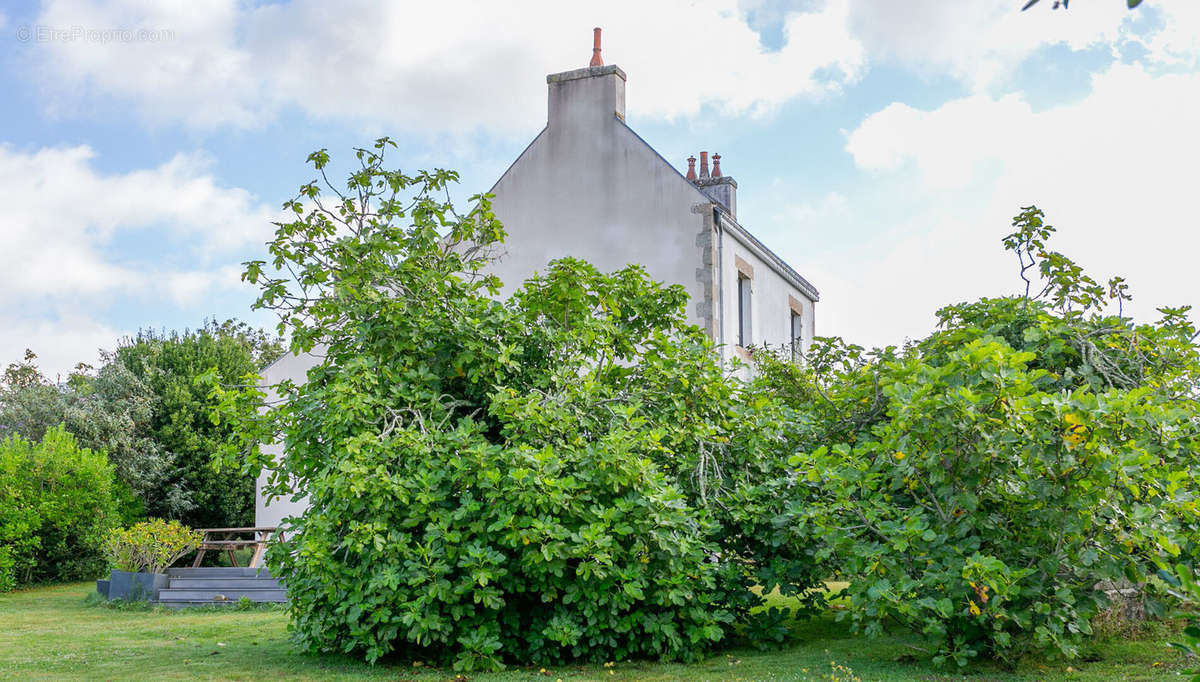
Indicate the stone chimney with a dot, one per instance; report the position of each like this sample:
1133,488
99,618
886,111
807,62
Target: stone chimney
716,185
589,95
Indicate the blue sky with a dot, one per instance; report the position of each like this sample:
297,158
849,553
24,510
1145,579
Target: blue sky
881,147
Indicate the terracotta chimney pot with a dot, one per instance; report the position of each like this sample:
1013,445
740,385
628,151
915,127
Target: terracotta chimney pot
596,60
703,165
716,172
691,174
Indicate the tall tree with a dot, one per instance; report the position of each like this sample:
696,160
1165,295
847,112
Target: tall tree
168,363
109,411
143,410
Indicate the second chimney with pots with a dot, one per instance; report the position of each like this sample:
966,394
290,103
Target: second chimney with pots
716,185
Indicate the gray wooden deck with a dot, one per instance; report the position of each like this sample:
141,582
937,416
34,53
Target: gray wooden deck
219,585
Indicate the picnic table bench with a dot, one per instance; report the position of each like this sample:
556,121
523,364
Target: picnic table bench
232,539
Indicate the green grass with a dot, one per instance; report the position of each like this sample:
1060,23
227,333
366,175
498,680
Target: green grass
53,633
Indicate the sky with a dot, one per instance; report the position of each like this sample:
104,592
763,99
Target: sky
880,147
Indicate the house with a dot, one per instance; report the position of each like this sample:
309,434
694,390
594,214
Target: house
589,187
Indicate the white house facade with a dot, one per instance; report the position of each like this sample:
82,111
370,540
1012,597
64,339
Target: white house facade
589,187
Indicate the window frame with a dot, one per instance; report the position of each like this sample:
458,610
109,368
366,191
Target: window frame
796,318
796,325
745,302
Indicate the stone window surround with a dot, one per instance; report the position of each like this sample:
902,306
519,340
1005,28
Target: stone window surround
796,310
745,271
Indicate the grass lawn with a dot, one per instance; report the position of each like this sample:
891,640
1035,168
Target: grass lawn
51,633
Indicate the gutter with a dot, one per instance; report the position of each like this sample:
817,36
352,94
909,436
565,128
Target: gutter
766,255
719,318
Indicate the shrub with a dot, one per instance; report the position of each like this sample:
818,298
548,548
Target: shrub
143,409
108,411
150,546
167,364
56,504
983,511
726,445
1185,587
979,485
558,476
441,546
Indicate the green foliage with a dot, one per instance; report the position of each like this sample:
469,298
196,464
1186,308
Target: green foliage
113,411
1185,588
107,411
52,632
495,553
56,504
564,475
978,485
121,551
145,411
150,546
178,423
30,404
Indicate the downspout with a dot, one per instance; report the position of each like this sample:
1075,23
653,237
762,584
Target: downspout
720,278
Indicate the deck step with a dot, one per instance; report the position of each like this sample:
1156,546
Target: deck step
220,585
189,604
219,572
223,595
225,583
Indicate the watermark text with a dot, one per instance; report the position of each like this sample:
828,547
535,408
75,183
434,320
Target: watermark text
43,33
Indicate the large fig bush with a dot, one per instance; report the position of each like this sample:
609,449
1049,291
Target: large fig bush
984,485
565,474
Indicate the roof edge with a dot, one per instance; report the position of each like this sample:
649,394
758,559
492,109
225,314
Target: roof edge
519,157
776,263
779,265
585,72
681,176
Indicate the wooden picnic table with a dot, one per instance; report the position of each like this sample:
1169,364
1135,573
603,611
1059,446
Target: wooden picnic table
227,540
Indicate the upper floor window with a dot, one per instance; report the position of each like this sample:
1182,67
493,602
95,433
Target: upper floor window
744,300
797,335
743,310
796,326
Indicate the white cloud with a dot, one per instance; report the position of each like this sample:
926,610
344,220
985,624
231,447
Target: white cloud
459,65
58,213
59,343
448,66
193,69
70,236
1178,41
193,286
982,40
1114,171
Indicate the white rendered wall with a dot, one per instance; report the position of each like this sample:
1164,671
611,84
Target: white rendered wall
770,295
588,187
294,367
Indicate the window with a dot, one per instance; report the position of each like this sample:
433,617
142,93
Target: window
797,326
797,335
743,310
